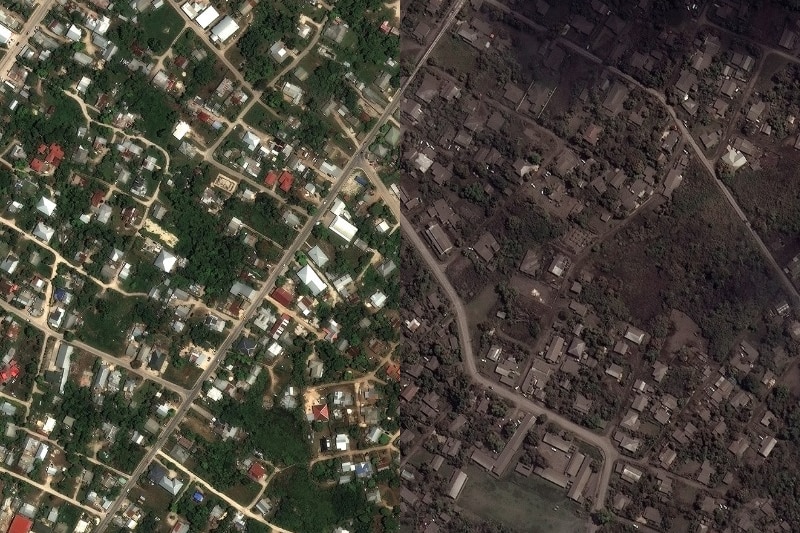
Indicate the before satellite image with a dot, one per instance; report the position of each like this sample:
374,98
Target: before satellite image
199,266
356,266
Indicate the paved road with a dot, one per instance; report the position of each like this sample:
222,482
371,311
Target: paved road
606,448
709,166
287,258
610,454
788,286
27,29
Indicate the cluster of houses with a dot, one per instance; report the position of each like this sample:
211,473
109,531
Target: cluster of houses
620,192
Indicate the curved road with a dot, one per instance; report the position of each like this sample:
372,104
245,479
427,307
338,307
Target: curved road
277,271
606,447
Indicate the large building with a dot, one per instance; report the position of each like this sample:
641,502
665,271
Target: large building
343,228
457,484
439,239
224,29
5,34
207,17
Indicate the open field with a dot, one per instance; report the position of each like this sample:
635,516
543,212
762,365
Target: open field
160,27
184,376
521,504
106,331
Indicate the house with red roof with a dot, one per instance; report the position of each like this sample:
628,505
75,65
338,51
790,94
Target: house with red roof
98,198
20,524
271,178
320,413
55,154
37,165
282,296
393,371
10,372
204,117
48,158
257,472
286,179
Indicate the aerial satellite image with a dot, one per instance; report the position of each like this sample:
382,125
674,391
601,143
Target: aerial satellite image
425,266
600,208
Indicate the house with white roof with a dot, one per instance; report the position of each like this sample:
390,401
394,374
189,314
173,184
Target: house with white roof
166,261
43,232
74,33
251,140
10,264
342,442
224,29
279,52
378,300
207,17
5,34
46,206
83,85
311,279
293,92
343,228
318,256
181,129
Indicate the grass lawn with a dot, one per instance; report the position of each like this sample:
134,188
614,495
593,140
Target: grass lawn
713,274
160,27
522,504
454,53
184,376
259,115
106,331
244,494
302,505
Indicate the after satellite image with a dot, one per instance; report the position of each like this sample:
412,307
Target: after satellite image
600,214
366,266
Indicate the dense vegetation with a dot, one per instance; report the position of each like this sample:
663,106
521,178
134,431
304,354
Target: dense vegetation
213,258
33,128
78,402
304,507
372,46
690,256
277,433
272,21
158,113
263,216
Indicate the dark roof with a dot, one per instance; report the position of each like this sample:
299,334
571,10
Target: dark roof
615,98
157,360
156,473
246,345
